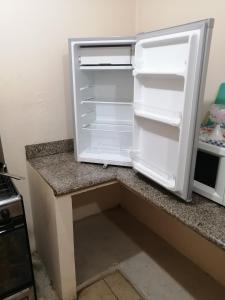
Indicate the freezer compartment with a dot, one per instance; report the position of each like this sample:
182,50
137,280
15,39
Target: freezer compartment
105,55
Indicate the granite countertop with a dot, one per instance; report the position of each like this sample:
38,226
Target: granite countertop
56,164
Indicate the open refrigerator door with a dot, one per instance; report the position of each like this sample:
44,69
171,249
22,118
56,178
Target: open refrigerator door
169,78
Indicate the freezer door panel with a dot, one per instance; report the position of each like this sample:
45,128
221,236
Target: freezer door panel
169,76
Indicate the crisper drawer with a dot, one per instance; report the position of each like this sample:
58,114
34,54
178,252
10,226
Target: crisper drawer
108,137
105,55
107,144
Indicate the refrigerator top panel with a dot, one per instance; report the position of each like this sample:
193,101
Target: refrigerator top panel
169,78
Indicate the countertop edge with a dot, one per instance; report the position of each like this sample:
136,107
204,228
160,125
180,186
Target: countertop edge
210,238
196,229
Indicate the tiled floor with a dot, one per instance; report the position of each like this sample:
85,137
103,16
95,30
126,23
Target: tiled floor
156,270
111,287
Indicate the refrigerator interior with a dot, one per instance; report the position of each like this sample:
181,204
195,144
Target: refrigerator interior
104,113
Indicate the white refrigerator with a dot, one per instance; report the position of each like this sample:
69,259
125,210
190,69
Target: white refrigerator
137,101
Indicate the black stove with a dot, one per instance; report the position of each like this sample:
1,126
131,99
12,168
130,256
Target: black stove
8,192
16,276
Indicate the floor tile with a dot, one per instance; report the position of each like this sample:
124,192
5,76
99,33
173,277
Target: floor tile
120,287
97,291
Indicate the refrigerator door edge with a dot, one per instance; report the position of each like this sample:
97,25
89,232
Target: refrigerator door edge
201,91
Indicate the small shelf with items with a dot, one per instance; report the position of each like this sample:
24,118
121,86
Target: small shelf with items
171,118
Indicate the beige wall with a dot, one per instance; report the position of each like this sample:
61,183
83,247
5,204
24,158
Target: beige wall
156,14
34,84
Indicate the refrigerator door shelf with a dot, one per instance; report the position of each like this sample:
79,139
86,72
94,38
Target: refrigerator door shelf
161,177
159,41
171,118
173,74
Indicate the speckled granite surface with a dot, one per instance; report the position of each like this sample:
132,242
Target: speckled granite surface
65,175
43,149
